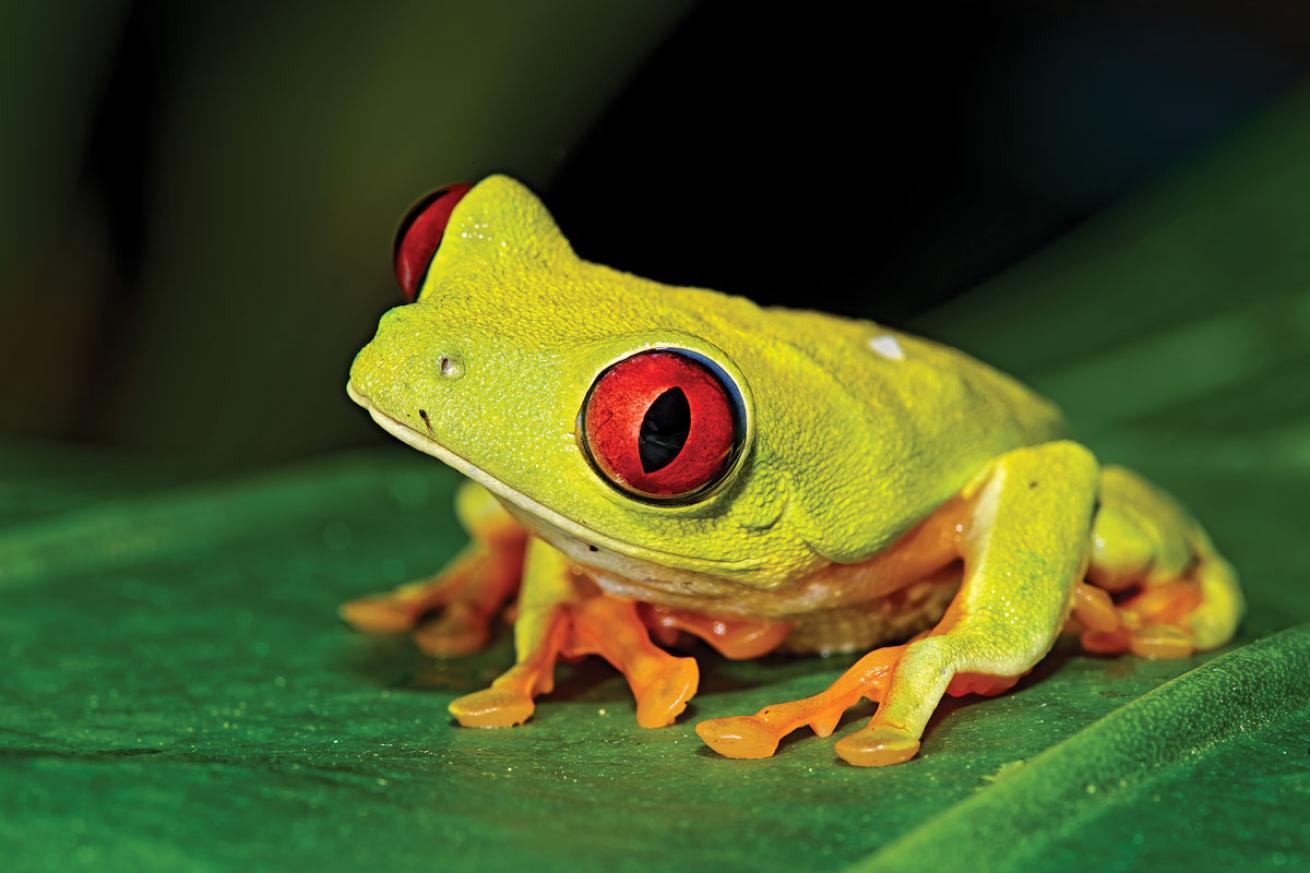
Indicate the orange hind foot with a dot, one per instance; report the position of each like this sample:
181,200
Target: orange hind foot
1150,624
879,744
758,735
452,612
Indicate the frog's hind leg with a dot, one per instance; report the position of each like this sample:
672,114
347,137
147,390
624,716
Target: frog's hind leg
1175,593
1024,546
451,613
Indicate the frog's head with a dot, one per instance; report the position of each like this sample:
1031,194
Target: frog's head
600,407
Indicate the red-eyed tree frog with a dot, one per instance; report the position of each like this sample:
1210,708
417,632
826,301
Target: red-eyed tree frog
646,462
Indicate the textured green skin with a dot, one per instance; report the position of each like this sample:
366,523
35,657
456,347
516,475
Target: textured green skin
532,325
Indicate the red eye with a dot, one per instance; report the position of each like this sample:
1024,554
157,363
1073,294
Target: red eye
662,425
419,235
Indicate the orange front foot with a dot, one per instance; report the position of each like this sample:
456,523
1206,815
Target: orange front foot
506,703
758,735
510,699
611,628
584,623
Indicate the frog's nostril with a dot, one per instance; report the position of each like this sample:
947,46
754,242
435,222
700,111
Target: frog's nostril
450,367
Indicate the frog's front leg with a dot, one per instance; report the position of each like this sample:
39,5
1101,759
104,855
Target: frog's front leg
451,613
1024,545
561,612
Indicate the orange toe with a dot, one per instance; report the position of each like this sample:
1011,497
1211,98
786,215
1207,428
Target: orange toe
1094,608
459,630
493,708
1164,603
1106,643
378,614
824,723
1161,641
877,747
744,736
663,698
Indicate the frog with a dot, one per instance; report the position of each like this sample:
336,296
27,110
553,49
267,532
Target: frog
648,465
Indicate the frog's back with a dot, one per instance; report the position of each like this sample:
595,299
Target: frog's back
927,385
885,426
939,386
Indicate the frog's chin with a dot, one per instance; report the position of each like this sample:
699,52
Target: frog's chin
581,543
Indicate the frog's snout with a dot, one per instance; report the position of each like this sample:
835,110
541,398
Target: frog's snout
405,374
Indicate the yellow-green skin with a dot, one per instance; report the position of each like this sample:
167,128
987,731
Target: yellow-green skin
846,448
873,463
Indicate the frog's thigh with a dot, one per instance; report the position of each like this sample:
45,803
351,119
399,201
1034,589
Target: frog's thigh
1025,547
1139,535
1142,536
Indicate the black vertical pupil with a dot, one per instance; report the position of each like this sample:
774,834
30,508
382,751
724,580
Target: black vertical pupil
664,430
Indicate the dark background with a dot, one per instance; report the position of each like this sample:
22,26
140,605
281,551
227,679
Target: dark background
198,205
201,196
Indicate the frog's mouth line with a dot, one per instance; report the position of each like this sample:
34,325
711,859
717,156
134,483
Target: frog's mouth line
429,446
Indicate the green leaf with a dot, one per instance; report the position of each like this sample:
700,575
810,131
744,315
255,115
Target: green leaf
180,693
1226,742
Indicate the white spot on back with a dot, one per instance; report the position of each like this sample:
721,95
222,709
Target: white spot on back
887,346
